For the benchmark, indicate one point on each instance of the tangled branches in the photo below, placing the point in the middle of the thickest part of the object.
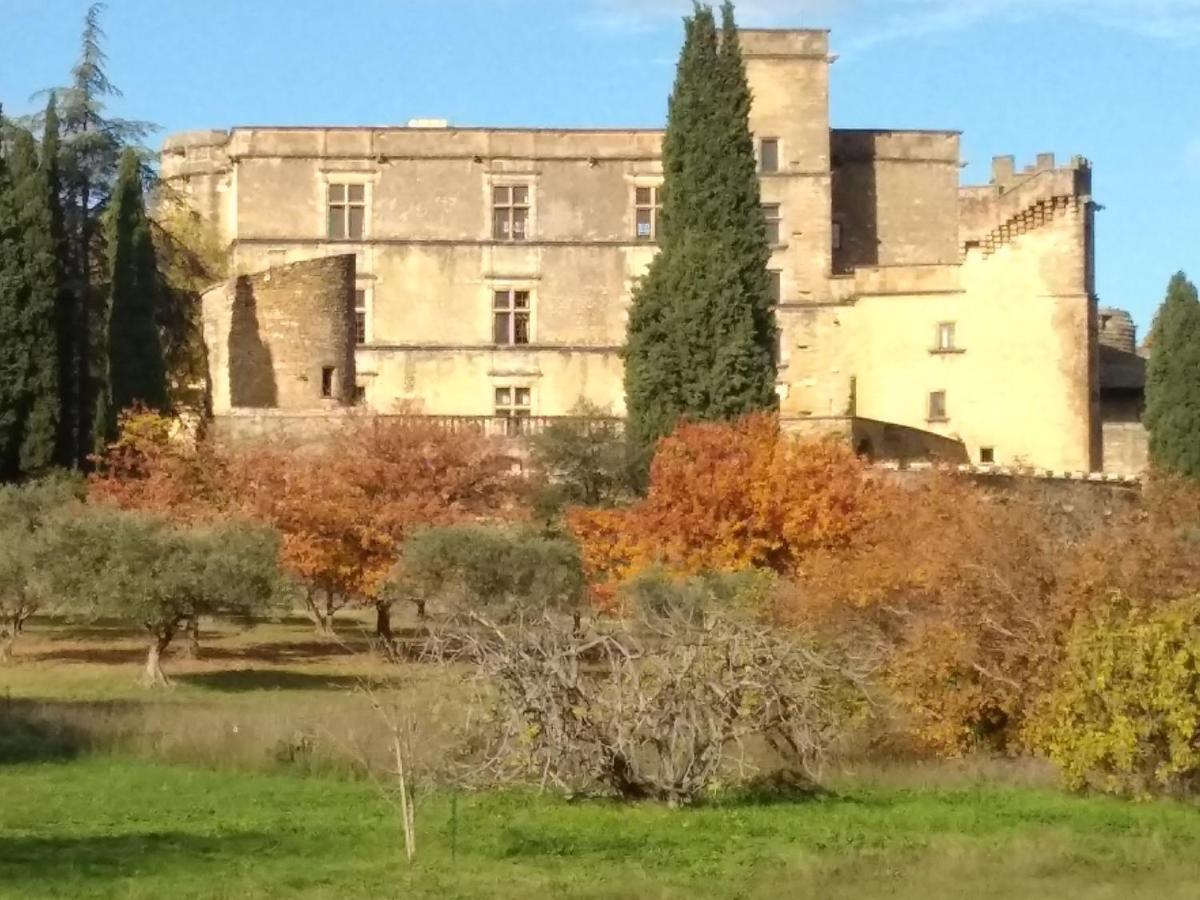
(655, 706)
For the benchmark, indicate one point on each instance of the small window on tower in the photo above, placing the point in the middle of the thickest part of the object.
(945, 337)
(775, 286)
(937, 406)
(768, 155)
(774, 219)
(327, 375)
(360, 316)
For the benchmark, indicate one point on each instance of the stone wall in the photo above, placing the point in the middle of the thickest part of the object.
(1126, 448)
(895, 196)
(284, 338)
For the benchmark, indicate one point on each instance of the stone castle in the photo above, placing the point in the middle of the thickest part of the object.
(486, 274)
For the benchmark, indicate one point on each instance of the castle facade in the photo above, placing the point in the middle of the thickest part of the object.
(487, 272)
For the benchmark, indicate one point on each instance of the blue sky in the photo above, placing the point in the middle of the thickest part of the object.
(1115, 80)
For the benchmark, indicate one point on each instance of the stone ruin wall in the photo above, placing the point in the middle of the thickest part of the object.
(271, 336)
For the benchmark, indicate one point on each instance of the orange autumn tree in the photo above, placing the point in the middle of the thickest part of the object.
(343, 509)
(961, 586)
(149, 468)
(727, 497)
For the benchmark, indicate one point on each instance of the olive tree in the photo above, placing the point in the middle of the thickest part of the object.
(160, 576)
(473, 567)
(28, 516)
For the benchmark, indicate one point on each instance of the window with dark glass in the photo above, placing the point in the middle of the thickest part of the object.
(768, 155)
(987, 456)
(513, 404)
(360, 316)
(327, 382)
(510, 318)
(937, 406)
(510, 212)
(347, 211)
(647, 207)
(773, 218)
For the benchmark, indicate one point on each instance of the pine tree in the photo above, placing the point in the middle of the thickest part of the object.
(38, 409)
(1173, 382)
(701, 330)
(136, 372)
(89, 152)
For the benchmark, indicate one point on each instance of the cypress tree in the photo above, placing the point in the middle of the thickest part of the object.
(38, 409)
(136, 371)
(701, 330)
(12, 345)
(65, 301)
(1173, 382)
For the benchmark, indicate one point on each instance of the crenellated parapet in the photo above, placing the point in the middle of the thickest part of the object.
(1016, 202)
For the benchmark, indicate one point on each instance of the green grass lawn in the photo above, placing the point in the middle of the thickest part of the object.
(239, 782)
(99, 827)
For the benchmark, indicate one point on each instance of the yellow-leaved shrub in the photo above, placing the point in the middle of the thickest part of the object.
(1124, 715)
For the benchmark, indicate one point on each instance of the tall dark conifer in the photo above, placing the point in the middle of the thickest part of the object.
(136, 372)
(38, 410)
(1173, 381)
(65, 301)
(12, 298)
(90, 149)
(701, 330)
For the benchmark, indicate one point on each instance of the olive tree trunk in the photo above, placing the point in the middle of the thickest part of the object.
(383, 620)
(160, 640)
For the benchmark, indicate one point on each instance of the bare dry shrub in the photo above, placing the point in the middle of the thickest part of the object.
(656, 705)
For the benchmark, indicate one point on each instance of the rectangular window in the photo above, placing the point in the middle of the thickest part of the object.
(837, 235)
(360, 394)
(347, 212)
(768, 155)
(513, 404)
(775, 289)
(987, 455)
(945, 336)
(647, 203)
(327, 382)
(773, 218)
(937, 406)
(510, 318)
(360, 316)
(510, 212)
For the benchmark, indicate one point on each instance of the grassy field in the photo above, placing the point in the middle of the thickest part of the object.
(105, 828)
(244, 781)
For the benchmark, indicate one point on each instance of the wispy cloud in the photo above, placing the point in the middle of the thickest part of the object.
(883, 20)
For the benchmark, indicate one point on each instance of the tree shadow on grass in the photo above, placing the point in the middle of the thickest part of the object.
(32, 861)
(27, 737)
(243, 680)
(112, 656)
